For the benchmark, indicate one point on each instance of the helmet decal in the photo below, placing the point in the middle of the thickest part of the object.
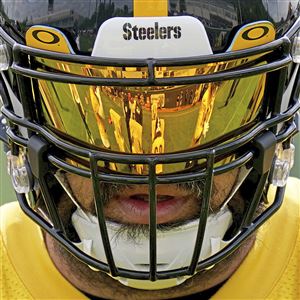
(157, 37)
(47, 38)
(252, 35)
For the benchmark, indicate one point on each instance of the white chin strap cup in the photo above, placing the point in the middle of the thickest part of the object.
(174, 247)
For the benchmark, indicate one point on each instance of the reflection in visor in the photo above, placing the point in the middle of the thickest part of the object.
(153, 119)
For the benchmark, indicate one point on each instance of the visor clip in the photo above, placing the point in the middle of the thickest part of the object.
(265, 145)
(37, 150)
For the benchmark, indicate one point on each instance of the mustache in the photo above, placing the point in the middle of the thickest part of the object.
(110, 190)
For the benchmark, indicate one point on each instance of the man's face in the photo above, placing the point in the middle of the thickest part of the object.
(128, 205)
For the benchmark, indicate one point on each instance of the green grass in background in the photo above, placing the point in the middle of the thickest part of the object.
(296, 169)
(7, 193)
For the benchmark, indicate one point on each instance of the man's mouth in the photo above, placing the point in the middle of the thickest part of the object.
(129, 204)
(138, 210)
(132, 206)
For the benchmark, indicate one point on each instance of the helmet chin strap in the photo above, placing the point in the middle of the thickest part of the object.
(174, 247)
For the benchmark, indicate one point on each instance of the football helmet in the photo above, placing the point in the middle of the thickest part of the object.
(149, 93)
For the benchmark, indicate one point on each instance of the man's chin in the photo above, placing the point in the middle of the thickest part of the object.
(102, 285)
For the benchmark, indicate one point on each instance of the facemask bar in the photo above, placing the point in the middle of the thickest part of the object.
(42, 158)
(20, 66)
(155, 179)
(152, 180)
(283, 45)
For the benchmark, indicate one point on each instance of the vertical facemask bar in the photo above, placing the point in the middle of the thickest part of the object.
(37, 100)
(264, 146)
(152, 221)
(50, 205)
(24, 86)
(203, 212)
(280, 82)
(99, 200)
(37, 151)
(248, 218)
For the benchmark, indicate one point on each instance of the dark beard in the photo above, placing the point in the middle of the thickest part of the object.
(135, 232)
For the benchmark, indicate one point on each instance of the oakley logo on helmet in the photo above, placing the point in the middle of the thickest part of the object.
(255, 33)
(45, 37)
(150, 33)
(252, 35)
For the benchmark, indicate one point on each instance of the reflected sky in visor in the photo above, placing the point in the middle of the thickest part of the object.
(150, 119)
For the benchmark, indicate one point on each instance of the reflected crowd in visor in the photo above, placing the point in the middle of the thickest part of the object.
(151, 120)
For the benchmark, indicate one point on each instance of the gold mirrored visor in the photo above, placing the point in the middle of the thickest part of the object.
(151, 119)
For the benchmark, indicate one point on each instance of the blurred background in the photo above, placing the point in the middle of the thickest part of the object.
(7, 193)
